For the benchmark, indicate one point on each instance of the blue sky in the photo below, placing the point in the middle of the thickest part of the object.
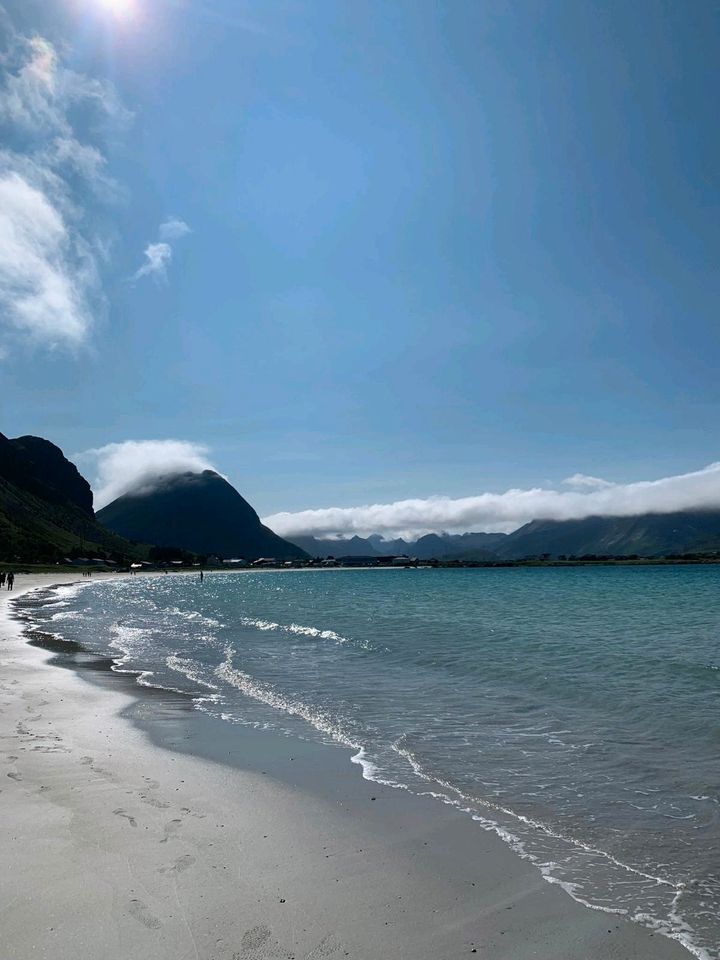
(435, 248)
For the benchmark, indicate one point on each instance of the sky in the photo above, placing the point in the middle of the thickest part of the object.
(366, 253)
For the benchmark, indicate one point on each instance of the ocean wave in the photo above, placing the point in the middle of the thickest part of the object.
(298, 629)
(191, 670)
(673, 926)
(265, 693)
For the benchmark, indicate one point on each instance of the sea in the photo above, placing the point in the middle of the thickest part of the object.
(573, 711)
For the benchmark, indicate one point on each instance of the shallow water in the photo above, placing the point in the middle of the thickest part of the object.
(572, 710)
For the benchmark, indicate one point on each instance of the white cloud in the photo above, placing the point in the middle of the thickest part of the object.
(159, 255)
(38, 90)
(49, 250)
(173, 229)
(157, 258)
(583, 480)
(43, 285)
(495, 512)
(138, 464)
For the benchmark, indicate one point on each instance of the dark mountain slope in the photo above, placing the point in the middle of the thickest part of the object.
(200, 512)
(40, 468)
(46, 508)
(447, 546)
(649, 535)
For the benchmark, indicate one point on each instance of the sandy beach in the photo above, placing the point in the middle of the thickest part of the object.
(134, 828)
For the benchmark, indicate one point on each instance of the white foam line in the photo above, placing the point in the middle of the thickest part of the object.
(295, 628)
(266, 694)
(675, 927)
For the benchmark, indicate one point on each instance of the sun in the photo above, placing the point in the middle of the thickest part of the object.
(120, 8)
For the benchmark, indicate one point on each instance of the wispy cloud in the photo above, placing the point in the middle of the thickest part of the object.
(138, 464)
(495, 512)
(49, 248)
(582, 480)
(159, 255)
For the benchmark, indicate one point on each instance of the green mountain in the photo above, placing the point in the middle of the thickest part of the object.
(46, 507)
(200, 512)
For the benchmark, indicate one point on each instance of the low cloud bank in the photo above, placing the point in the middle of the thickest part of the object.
(505, 512)
(139, 465)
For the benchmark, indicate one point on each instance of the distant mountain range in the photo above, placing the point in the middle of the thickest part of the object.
(199, 512)
(46, 507)
(46, 514)
(465, 546)
(649, 535)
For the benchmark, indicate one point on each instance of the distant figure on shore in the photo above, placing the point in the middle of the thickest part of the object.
(202, 576)
(10, 580)
(2, 579)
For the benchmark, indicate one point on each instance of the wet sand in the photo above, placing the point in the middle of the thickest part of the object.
(134, 827)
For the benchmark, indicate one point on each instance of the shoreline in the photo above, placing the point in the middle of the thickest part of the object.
(184, 836)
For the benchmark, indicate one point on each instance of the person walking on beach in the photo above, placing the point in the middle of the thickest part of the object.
(202, 576)
(10, 580)
(2, 579)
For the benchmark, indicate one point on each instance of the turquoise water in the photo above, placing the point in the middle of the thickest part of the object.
(572, 710)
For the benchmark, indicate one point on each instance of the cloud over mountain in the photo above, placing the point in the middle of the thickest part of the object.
(138, 464)
(505, 512)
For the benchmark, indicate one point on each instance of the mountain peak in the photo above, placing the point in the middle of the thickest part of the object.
(197, 511)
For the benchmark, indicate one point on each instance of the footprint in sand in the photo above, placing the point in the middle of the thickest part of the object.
(90, 762)
(160, 804)
(170, 828)
(181, 864)
(15, 776)
(126, 816)
(327, 947)
(139, 911)
(256, 945)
